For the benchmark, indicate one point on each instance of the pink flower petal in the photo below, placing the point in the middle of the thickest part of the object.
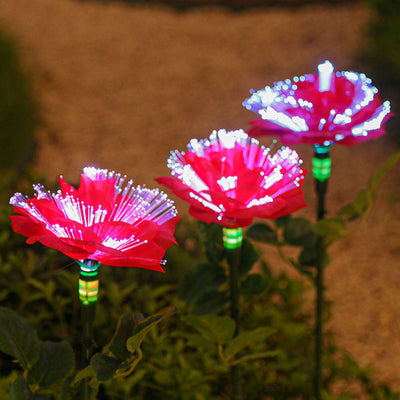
(228, 179)
(103, 221)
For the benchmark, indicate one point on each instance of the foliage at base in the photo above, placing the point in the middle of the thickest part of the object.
(142, 354)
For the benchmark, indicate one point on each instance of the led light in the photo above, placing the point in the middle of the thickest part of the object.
(321, 168)
(206, 203)
(88, 291)
(373, 123)
(88, 281)
(325, 71)
(259, 202)
(227, 182)
(295, 123)
(232, 238)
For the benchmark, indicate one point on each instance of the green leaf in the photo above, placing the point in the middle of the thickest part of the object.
(67, 390)
(382, 170)
(253, 285)
(365, 198)
(211, 240)
(55, 362)
(283, 221)
(92, 389)
(210, 303)
(308, 258)
(360, 205)
(262, 233)
(308, 272)
(17, 339)
(137, 377)
(349, 212)
(299, 232)
(248, 257)
(20, 391)
(214, 328)
(104, 366)
(72, 388)
(142, 329)
(330, 228)
(245, 339)
(83, 374)
(196, 340)
(125, 329)
(255, 356)
(200, 280)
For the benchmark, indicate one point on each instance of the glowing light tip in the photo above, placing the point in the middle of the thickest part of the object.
(325, 71)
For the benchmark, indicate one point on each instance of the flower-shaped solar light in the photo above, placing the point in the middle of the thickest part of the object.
(100, 221)
(320, 109)
(229, 179)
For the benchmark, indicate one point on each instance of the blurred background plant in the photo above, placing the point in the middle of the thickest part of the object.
(380, 53)
(18, 112)
(383, 50)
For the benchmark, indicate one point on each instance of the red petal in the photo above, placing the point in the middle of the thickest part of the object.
(95, 193)
(27, 226)
(66, 188)
(67, 246)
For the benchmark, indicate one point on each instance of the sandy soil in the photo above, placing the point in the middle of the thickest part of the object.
(119, 87)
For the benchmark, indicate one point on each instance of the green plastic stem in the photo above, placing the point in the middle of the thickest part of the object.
(232, 239)
(88, 292)
(321, 172)
(319, 308)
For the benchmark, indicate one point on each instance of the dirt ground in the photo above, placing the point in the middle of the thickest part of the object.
(120, 86)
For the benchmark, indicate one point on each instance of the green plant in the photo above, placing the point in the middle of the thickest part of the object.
(186, 356)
